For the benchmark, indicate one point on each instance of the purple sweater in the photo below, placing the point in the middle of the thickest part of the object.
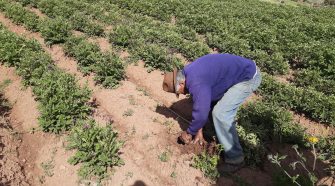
(209, 77)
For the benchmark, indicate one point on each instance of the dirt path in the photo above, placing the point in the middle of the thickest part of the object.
(11, 170)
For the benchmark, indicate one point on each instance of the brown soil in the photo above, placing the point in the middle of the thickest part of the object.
(314, 128)
(11, 170)
(37, 12)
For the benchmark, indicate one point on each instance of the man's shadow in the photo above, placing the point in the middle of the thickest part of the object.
(181, 111)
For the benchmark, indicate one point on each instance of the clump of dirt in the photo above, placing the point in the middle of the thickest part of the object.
(211, 148)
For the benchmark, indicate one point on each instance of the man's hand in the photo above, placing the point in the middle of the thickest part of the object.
(199, 138)
(185, 137)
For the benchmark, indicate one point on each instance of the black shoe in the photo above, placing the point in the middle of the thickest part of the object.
(230, 168)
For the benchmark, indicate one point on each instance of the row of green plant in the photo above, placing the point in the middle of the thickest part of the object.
(53, 30)
(14, 11)
(79, 21)
(143, 29)
(311, 103)
(313, 80)
(61, 100)
(268, 33)
(140, 31)
(107, 67)
(62, 105)
(113, 15)
(261, 123)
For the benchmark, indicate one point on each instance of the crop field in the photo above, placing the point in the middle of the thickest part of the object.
(81, 98)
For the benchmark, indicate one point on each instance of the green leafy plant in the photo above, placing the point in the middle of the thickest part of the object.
(123, 36)
(86, 54)
(55, 31)
(97, 149)
(20, 15)
(312, 103)
(33, 65)
(61, 101)
(109, 71)
(207, 163)
(165, 156)
(108, 67)
(326, 152)
(82, 22)
(260, 123)
(270, 122)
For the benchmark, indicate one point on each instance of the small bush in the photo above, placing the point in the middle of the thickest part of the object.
(82, 22)
(109, 71)
(62, 101)
(208, 163)
(21, 16)
(55, 31)
(97, 149)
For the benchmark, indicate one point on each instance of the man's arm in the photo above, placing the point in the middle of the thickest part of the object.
(201, 95)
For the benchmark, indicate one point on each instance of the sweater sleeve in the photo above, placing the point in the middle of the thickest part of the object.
(201, 95)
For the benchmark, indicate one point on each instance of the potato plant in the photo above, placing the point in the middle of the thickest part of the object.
(109, 71)
(313, 80)
(81, 22)
(19, 15)
(61, 101)
(312, 103)
(86, 54)
(97, 149)
(270, 122)
(261, 123)
(156, 57)
(55, 31)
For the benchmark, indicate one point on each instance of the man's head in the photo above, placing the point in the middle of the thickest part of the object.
(174, 82)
